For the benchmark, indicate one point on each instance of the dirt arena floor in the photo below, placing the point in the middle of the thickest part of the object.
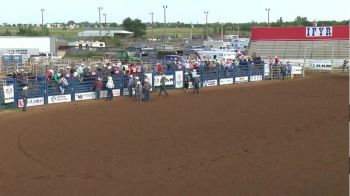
(273, 138)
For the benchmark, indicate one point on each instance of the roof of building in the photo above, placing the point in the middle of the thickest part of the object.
(103, 32)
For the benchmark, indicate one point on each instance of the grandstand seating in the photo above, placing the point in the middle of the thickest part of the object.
(315, 49)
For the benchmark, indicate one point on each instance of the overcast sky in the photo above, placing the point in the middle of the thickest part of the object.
(187, 11)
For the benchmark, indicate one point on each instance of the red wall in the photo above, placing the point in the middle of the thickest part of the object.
(340, 32)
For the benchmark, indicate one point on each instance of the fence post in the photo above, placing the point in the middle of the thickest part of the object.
(46, 92)
(15, 88)
(249, 71)
(218, 68)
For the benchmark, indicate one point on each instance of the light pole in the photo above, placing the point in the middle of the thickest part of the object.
(268, 16)
(105, 15)
(151, 13)
(191, 32)
(99, 19)
(165, 7)
(206, 23)
(42, 21)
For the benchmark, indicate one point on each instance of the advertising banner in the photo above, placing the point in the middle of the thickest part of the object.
(179, 79)
(85, 96)
(297, 70)
(9, 94)
(321, 65)
(115, 92)
(208, 83)
(59, 99)
(225, 81)
(32, 102)
(241, 79)
(170, 80)
(255, 78)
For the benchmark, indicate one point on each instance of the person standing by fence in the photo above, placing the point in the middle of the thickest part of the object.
(196, 82)
(110, 86)
(131, 85)
(146, 90)
(186, 81)
(25, 98)
(63, 83)
(98, 87)
(162, 85)
(138, 91)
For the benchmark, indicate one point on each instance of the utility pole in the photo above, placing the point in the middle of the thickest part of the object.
(152, 36)
(99, 20)
(165, 7)
(105, 15)
(206, 24)
(42, 22)
(268, 16)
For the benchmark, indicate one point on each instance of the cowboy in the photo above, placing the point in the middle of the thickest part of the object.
(162, 85)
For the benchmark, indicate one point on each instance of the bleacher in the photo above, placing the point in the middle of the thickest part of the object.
(316, 49)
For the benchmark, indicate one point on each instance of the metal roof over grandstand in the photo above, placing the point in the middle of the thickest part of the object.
(110, 33)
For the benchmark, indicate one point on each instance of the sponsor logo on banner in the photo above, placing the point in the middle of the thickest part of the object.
(115, 92)
(179, 79)
(318, 31)
(296, 70)
(126, 91)
(226, 81)
(208, 83)
(241, 79)
(170, 80)
(321, 65)
(255, 78)
(59, 99)
(9, 94)
(31, 102)
(85, 96)
(266, 70)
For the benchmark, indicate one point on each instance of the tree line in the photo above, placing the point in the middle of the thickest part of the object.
(139, 27)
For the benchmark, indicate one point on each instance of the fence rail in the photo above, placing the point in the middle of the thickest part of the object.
(43, 91)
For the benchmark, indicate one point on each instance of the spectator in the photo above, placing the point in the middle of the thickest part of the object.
(345, 64)
(98, 87)
(110, 86)
(162, 85)
(62, 83)
(196, 82)
(186, 81)
(131, 85)
(138, 91)
(146, 90)
(25, 98)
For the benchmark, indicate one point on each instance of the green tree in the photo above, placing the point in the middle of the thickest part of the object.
(6, 33)
(136, 26)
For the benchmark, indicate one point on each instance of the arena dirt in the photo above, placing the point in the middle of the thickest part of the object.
(267, 138)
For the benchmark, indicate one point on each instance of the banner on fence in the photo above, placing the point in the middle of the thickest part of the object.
(208, 83)
(266, 70)
(241, 79)
(170, 80)
(115, 92)
(321, 65)
(31, 102)
(9, 94)
(59, 99)
(297, 70)
(255, 78)
(179, 79)
(126, 91)
(225, 81)
(85, 96)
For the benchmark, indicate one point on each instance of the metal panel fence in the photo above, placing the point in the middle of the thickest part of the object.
(43, 91)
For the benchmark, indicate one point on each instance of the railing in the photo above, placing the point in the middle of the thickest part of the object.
(42, 91)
